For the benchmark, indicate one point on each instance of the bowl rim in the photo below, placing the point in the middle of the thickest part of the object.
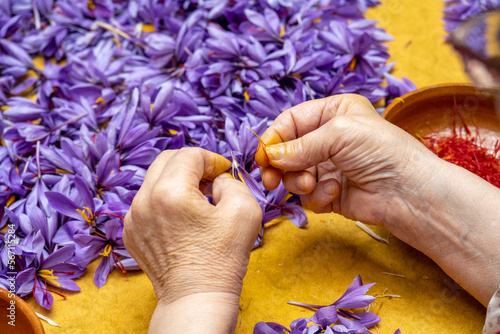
(26, 309)
(397, 102)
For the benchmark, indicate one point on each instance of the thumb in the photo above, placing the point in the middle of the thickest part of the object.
(304, 152)
(235, 197)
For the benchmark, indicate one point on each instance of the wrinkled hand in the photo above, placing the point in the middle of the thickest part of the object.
(182, 242)
(341, 156)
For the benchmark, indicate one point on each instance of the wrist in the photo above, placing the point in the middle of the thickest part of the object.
(199, 270)
(454, 218)
(204, 312)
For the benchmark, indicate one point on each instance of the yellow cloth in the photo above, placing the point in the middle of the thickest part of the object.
(316, 264)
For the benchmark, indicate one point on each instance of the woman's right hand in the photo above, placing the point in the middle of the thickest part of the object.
(342, 157)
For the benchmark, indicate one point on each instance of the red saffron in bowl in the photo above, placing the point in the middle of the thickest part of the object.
(467, 153)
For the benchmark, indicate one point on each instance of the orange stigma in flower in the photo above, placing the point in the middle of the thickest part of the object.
(107, 250)
(87, 214)
(49, 276)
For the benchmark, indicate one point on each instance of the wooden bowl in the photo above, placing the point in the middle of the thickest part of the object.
(434, 109)
(26, 321)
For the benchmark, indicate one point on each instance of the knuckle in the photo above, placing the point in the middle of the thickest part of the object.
(161, 196)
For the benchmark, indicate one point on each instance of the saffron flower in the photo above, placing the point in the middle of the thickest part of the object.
(334, 318)
(107, 245)
(51, 270)
(133, 78)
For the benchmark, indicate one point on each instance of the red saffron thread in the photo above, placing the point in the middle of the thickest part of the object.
(467, 151)
(282, 208)
(110, 214)
(119, 264)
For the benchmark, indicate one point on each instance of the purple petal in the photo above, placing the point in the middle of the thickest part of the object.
(103, 270)
(63, 205)
(325, 316)
(269, 328)
(61, 255)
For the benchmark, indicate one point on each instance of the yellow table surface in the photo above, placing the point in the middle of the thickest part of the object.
(316, 264)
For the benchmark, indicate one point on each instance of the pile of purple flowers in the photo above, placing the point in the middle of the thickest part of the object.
(91, 91)
(336, 318)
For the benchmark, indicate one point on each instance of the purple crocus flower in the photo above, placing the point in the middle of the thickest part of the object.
(54, 270)
(109, 246)
(143, 76)
(327, 317)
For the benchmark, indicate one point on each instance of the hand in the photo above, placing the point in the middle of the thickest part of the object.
(195, 253)
(341, 156)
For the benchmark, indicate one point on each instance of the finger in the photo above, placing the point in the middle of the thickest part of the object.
(187, 167)
(307, 151)
(234, 196)
(307, 117)
(302, 182)
(155, 169)
(271, 177)
(321, 199)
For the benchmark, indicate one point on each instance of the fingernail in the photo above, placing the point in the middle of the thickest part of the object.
(226, 176)
(275, 152)
(299, 182)
(329, 189)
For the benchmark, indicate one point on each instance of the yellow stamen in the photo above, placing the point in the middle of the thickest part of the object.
(2, 142)
(88, 218)
(36, 121)
(282, 32)
(317, 20)
(49, 276)
(353, 63)
(286, 198)
(11, 200)
(111, 172)
(172, 132)
(39, 62)
(107, 250)
(297, 75)
(151, 106)
(3, 108)
(100, 100)
(247, 96)
(148, 28)
(62, 171)
(399, 99)
(90, 5)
